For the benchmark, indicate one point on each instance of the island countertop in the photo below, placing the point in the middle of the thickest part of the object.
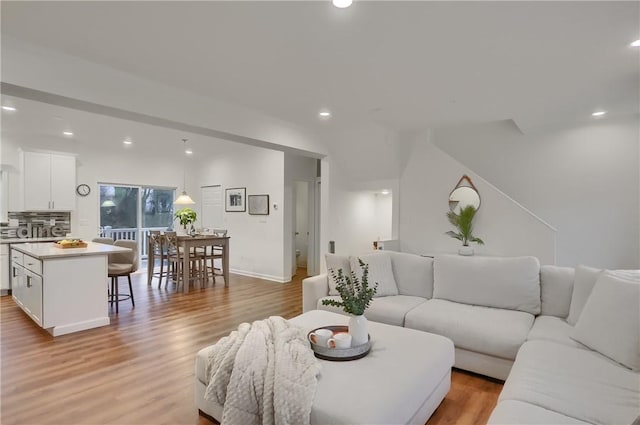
(46, 250)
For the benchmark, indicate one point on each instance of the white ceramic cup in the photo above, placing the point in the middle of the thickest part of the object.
(320, 337)
(340, 340)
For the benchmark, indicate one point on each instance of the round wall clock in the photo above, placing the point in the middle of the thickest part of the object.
(83, 189)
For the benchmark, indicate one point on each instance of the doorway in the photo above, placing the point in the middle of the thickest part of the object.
(304, 216)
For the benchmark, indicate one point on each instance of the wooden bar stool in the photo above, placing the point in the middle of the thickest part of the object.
(122, 264)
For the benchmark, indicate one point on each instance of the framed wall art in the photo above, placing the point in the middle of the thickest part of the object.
(259, 204)
(235, 199)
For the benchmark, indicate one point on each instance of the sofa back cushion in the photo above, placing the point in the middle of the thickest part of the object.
(610, 320)
(556, 286)
(583, 284)
(413, 273)
(380, 272)
(511, 283)
(335, 263)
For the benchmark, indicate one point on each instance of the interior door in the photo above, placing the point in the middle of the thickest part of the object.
(212, 204)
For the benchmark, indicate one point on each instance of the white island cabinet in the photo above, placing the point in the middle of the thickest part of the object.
(62, 290)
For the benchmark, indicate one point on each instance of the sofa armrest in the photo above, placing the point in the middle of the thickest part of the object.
(313, 288)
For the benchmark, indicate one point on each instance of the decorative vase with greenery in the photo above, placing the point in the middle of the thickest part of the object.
(187, 216)
(464, 224)
(356, 295)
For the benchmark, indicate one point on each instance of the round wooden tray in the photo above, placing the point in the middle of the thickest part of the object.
(339, 354)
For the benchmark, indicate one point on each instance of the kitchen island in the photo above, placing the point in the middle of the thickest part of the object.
(62, 290)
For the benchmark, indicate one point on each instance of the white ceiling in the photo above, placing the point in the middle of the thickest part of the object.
(41, 123)
(404, 65)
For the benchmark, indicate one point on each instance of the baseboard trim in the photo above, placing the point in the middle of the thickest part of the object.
(259, 276)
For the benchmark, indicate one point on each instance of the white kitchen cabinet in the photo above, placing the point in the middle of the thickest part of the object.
(5, 282)
(17, 275)
(49, 181)
(32, 295)
(26, 282)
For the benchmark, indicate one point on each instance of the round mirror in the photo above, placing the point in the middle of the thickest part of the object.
(463, 196)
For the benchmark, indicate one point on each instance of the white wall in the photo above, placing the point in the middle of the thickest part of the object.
(506, 228)
(257, 242)
(355, 214)
(585, 181)
(384, 215)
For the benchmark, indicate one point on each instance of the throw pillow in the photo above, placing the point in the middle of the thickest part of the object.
(335, 263)
(583, 283)
(610, 320)
(380, 272)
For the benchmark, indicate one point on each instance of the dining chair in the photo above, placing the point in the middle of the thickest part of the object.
(106, 241)
(122, 264)
(176, 256)
(216, 253)
(157, 247)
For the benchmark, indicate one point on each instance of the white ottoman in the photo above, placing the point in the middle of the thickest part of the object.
(401, 381)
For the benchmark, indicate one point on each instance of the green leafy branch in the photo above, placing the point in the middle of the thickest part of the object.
(464, 223)
(356, 295)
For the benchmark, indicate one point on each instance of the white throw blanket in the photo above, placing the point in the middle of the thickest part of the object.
(263, 373)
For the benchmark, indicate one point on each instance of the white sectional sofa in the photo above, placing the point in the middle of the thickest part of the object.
(512, 319)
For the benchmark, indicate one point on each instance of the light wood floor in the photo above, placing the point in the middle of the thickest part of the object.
(140, 369)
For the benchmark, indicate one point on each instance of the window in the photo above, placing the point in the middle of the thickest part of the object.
(129, 212)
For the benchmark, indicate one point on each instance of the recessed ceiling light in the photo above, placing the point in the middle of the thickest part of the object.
(127, 142)
(9, 108)
(324, 114)
(342, 3)
(188, 151)
(67, 133)
(598, 113)
(385, 192)
(635, 43)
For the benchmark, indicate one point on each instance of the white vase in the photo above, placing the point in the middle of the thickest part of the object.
(465, 250)
(359, 330)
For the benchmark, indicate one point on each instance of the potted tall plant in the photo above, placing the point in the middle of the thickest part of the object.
(464, 224)
(356, 295)
(187, 217)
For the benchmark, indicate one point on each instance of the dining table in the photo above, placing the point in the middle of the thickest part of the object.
(187, 245)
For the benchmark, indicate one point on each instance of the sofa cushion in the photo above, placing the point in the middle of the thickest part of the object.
(335, 263)
(551, 328)
(509, 412)
(380, 272)
(508, 283)
(556, 287)
(583, 283)
(389, 310)
(610, 320)
(413, 273)
(579, 383)
(485, 330)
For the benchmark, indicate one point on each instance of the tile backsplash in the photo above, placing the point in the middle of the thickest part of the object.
(36, 224)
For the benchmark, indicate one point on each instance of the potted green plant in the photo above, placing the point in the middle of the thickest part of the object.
(356, 295)
(464, 224)
(186, 216)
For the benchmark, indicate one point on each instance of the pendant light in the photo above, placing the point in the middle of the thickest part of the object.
(184, 199)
